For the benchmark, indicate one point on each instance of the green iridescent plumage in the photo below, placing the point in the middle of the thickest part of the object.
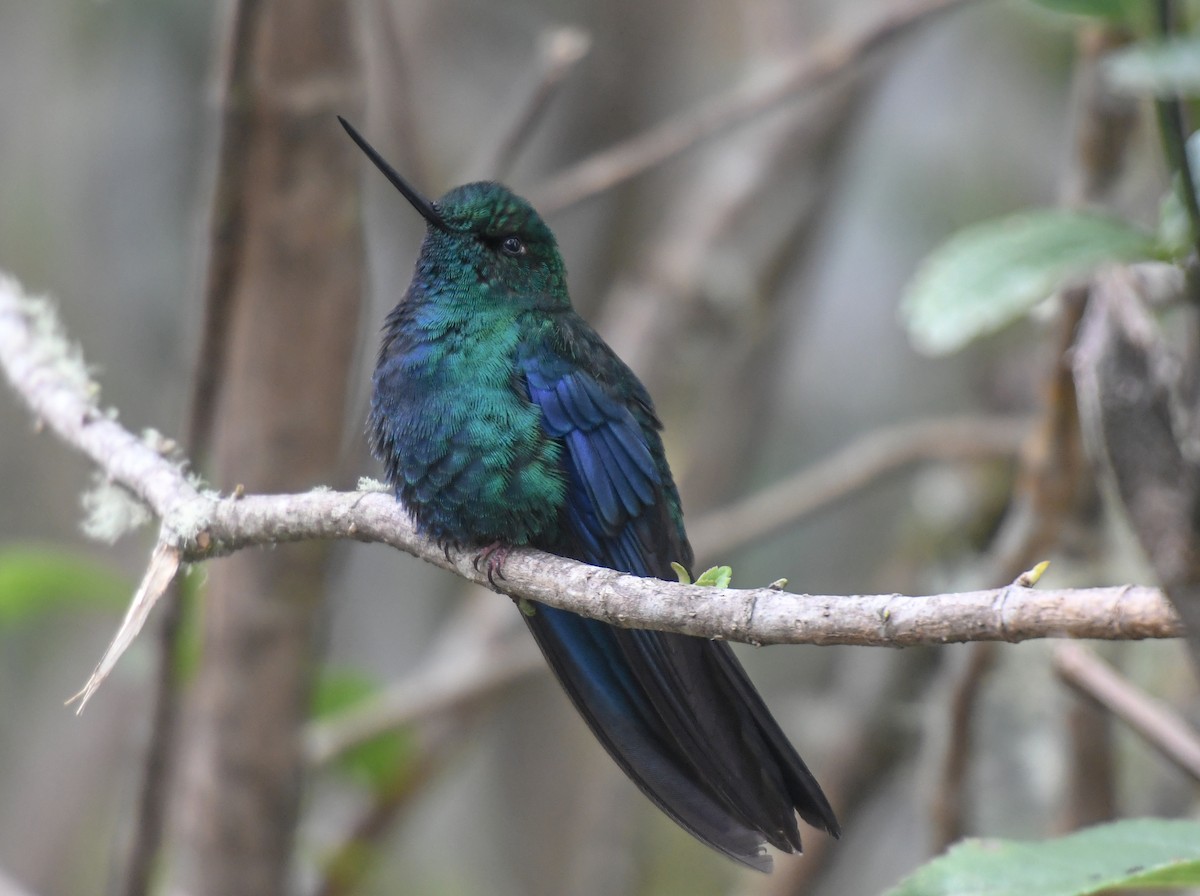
(502, 418)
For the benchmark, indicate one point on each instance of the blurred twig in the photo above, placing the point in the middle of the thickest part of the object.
(809, 70)
(466, 664)
(740, 322)
(947, 803)
(869, 458)
(399, 113)
(348, 865)
(1105, 121)
(1091, 793)
(464, 667)
(225, 246)
(406, 703)
(1054, 484)
(1157, 724)
(699, 273)
(9, 887)
(559, 51)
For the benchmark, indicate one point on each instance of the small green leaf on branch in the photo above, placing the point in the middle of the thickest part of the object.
(1030, 577)
(716, 577)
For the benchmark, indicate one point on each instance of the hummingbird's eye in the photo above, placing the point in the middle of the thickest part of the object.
(513, 246)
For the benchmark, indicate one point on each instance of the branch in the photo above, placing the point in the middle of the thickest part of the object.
(197, 525)
(811, 69)
(873, 456)
(948, 804)
(758, 616)
(9, 887)
(344, 868)
(430, 693)
(559, 51)
(1158, 724)
(441, 701)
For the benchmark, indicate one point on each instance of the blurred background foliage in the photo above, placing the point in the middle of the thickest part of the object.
(754, 282)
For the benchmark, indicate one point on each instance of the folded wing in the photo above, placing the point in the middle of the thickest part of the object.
(678, 714)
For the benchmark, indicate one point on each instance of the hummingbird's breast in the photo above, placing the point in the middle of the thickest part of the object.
(461, 443)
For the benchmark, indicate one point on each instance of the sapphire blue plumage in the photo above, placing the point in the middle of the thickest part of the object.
(502, 418)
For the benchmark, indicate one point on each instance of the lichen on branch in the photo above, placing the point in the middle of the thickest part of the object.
(50, 376)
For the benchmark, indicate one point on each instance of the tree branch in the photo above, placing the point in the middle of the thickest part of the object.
(1158, 724)
(871, 457)
(559, 50)
(760, 94)
(49, 375)
(9, 887)
(433, 691)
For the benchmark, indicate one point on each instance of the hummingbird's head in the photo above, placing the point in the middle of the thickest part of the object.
(484, 235)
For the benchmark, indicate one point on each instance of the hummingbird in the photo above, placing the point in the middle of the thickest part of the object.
(503, 420)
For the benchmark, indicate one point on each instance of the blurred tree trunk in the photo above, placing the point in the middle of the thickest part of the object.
(283, 292)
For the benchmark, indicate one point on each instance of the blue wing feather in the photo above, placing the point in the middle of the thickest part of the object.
(677, 713)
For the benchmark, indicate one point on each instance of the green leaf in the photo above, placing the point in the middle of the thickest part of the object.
(988, 275)
(716, 577)
(377, 762)
(1165, 69)
(37, 580)
(1113, 10)
(1132, 853)
(681, 573)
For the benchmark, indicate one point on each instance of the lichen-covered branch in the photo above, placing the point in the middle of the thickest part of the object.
(50, 377)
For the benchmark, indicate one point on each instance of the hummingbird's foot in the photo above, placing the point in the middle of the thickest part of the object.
(494, 555)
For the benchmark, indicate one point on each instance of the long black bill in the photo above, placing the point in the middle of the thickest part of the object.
(427, 209)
